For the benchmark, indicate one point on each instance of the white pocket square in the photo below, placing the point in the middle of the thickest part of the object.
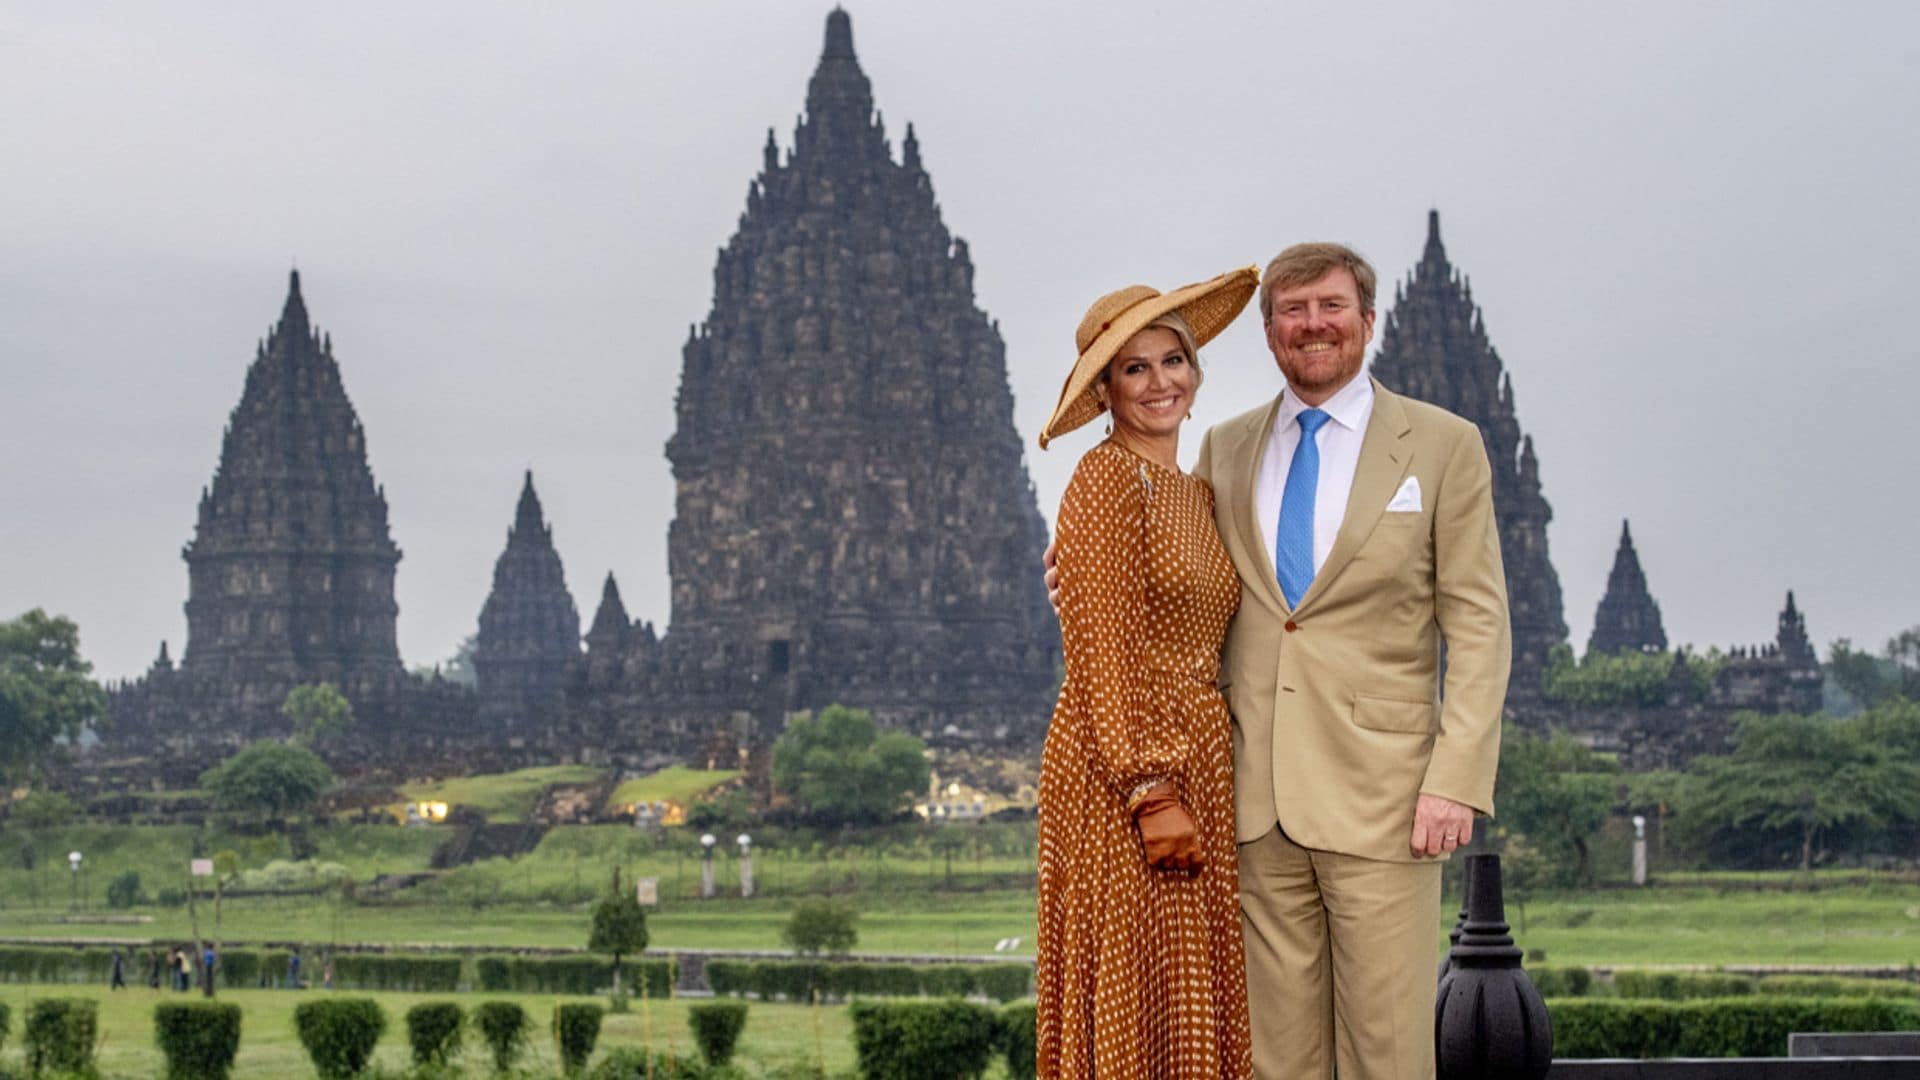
(1407, 499)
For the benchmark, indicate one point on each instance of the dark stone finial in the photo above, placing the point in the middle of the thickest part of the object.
(1489, 1021)
(1460, 923)
(839, 35)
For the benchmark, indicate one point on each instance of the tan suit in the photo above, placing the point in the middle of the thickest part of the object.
(1339, 726)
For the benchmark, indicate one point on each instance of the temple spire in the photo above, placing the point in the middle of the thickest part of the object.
(1627, 620)
(293, 315)
(839, 118)
(528, 514)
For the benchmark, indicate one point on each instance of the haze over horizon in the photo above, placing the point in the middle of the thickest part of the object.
(1687, 226)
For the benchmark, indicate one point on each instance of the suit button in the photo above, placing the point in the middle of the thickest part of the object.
(1292, 626)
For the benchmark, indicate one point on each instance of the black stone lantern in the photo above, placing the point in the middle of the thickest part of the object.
(1489, 1023)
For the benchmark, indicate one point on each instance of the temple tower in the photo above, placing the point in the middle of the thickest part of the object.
(853, 520)
(291, 567)
(529, 629)
(1627, 619)
(1435, 348)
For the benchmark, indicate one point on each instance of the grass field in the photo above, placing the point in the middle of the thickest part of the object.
(503, 797)
(898, 877)
(676, 784)
(775, 1034)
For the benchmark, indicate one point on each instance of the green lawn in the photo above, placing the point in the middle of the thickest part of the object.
(775, 1033)
(503, 797)
(675, 784)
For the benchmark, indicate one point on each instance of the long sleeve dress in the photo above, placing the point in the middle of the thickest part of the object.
(1141, 971)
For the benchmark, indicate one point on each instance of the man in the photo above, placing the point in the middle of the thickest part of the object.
(1361, 524)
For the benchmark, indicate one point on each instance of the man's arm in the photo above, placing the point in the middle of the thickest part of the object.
(1470, 605)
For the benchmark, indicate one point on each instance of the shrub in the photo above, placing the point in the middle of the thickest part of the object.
(1834, 986)
(923, 1040)
(818, 926)
(198, 1038)
(503, 1027)
(569, 975)
(60, 1035)
(716, 1027)
(1017, 1036)
(1561, 981)
(633, 1063)
(433, 1030)
(798, 980)
(6, 1023)
(1712, 1027)
(124, 891)
(576, 1027)
(339, 1034)
(397, 971)
(1679, 985)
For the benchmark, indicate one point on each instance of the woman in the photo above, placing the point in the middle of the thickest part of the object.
(1141, 970)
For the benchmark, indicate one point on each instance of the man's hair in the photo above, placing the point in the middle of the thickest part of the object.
(1304, 264)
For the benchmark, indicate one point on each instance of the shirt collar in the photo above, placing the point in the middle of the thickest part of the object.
(1348, 407)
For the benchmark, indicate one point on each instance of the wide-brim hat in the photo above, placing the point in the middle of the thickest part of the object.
(1208, 306)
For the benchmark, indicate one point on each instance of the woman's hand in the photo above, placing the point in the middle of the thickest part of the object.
(1167, 830)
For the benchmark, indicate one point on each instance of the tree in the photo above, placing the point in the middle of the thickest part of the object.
(46, 694)
(1800, 779)
(818, 926)
(619, 927)
(842, 770)
(1557, 793)
(1873, 680)
(272, 779)
(43, 810)
(318, 712)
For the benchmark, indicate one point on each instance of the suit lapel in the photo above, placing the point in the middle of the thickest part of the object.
(1385, 457)
(1246, 517)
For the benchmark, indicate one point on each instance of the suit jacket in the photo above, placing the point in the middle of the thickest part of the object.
(1338, 718)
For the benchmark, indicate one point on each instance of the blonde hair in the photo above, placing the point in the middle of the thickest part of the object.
(1304, 264)
(1177, 323)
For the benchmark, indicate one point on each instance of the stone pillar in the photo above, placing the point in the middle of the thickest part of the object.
(707, 840)
(1639, 850)
(746, 866)
(1489, 1022)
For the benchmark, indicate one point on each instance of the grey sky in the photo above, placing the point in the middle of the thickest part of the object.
(1692, 227)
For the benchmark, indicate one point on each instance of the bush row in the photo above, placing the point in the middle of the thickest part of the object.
(1685, 985)
(418, 973)
(60, 1035)
(940, 1040)
(798, 980)
(571, 975)
(1712, 1027)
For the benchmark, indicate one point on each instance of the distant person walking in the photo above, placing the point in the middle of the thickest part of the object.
(153, 969)
(117, 980)
(293, 969)
(182, 970)
(207, 962)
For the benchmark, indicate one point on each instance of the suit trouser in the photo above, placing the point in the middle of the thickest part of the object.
(1341, 953)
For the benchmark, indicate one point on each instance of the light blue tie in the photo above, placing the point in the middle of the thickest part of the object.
(1293, 546)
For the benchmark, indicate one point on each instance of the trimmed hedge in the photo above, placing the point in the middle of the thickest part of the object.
(796, 980)
(6, 1023)
(570, 975)
(716, 1028)
(633, 1063)
(576, 1027)
(1679, 985)
(1712, 1027)
(239, 968)
(198, 1038)
(1835, 986)
(433, 1031)
(339, 1034)
(60, 1035)
(1561, 981)
(503, 1027)
(923, 1040)
(396, 971)
(1018, 1037)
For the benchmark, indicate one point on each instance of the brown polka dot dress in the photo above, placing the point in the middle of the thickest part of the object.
(1141, 971)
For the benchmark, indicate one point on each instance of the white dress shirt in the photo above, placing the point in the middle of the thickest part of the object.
(1348, 411)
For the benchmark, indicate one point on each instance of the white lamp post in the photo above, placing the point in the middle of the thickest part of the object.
(707, 840)
(746, 864)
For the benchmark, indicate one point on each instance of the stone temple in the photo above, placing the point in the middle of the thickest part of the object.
(1435, 348)
(853, 520)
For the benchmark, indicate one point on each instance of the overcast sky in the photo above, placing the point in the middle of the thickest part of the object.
(1692, 228)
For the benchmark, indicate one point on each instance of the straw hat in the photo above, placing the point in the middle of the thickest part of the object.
(1208, 307)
